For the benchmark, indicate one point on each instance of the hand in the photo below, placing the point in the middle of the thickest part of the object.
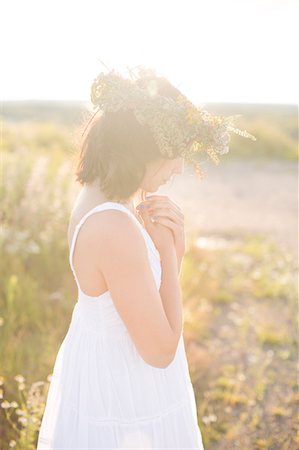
(170, 217)
(161, 235)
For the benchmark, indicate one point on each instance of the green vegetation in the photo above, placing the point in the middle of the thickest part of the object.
(274, 126)
(241, 342)
(239, 299)
(44, 125)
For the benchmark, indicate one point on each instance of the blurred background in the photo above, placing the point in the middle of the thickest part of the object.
(240, 272)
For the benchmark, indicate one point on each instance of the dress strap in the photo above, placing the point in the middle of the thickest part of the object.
(101, 207)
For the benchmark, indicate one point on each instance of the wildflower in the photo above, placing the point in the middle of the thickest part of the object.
(19, 378)
(178, 126)
(5, 404)
(210, 418)
(12, 443)
(23, 420)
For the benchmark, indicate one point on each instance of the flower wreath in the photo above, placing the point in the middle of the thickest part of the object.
(178, 126)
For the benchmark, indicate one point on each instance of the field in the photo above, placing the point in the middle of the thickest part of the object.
(239, 276)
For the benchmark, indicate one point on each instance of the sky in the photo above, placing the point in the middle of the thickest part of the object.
(212, 50)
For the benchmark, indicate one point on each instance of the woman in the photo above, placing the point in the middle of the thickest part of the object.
(121, 377)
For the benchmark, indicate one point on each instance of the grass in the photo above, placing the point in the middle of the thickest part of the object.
(239, 300)
(241, 351)
(245, 376)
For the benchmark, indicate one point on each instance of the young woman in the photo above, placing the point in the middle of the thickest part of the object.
(121, 377)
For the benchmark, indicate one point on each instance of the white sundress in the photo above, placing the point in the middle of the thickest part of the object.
(102, 394)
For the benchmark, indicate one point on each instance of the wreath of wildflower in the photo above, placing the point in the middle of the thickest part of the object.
(178, 126)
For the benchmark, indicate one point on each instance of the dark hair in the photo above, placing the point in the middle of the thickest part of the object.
(116, 148)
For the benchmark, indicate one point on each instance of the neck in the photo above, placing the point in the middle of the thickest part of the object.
(133, 201)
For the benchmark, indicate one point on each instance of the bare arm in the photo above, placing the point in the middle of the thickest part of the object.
(171, 293)
(153, 318)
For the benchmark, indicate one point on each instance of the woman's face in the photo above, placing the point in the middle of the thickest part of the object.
(158, 172)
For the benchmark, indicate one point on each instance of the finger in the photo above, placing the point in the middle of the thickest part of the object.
(150, 204)
(162, 198)
(148, 197)
(145, 217)
(143, 213)
(168, 209)
(168, 213)
(167, 222)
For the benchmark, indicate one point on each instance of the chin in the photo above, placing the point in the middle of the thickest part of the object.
(154, 188)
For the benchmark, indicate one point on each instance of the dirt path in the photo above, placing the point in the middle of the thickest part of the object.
(241, 196)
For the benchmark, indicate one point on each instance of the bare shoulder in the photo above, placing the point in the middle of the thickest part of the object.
(107, 222)
(111, 229)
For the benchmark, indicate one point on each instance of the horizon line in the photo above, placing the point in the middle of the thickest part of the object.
(72, 100)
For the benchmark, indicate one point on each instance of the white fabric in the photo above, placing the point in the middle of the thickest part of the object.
(102, 394)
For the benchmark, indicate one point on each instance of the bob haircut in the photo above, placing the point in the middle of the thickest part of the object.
(116, 148)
